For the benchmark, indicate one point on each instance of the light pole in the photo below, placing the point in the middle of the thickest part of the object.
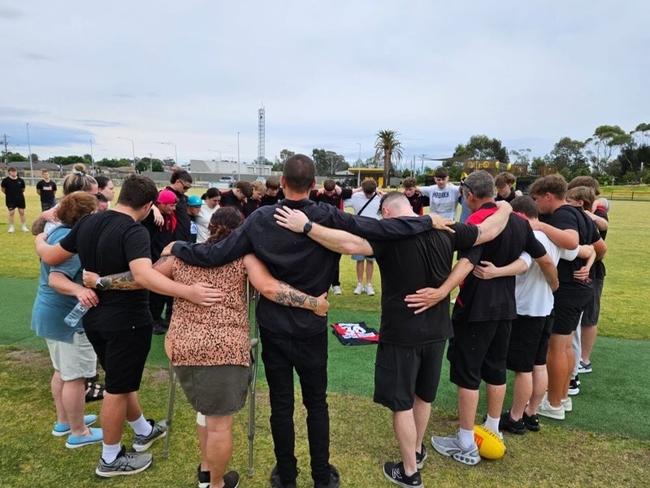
(238, 163)
(132, 148)
(92, 157)
(359, 144)
(175, 151)
(29, 148)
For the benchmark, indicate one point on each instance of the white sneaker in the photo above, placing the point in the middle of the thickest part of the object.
(370, 290)
(567, 403)
(25, 229)
(11, 229)
(359, 289)
(547, 410)
(337, 290)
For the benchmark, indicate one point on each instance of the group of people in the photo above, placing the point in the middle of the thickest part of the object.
(527, 279)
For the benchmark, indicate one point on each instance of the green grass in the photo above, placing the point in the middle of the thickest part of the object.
(604, 443)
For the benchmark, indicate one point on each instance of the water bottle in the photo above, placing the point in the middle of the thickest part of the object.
(73, 318)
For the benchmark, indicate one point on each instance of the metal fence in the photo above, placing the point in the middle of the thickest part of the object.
(634, 196)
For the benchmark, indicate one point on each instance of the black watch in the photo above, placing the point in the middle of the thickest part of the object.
(307, 228)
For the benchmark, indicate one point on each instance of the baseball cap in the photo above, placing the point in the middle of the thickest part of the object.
(166, 197)
(194, 201)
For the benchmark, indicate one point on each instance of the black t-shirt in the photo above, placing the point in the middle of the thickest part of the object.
(269, 200)
(335, 200)
(106, 243)
(250, 206)
(47, 190)
(487, 300)
(570, 217)
(183, 224)
(598, 269)
(421, 261)
(14, 189)
(159, 236)
(511, 196)
(418, 202)
(295, 258)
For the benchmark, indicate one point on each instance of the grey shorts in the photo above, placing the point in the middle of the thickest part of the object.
(359, 257)
(215, 390)
(73, 361)
(592, 310)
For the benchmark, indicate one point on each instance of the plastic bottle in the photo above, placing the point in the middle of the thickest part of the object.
(73, 318)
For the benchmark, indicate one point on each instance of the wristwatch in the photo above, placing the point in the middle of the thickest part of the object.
(307, 228)
(99, 285)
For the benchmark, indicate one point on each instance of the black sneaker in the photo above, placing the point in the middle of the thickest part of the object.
(231, 479)
(204, 477)
(531, 422)
(394, 472)
(335, 479)
(513, 426)
(574, 386)
(276, 481)
(421, 456)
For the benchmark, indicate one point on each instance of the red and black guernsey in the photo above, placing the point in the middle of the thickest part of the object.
(490, 300)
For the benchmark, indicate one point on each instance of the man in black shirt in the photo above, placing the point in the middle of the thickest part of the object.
(411, 344)
(119, 327)
(13, 186)
(505, 183)
(237, 196)
(181, 181)
(415, 198)
(291, 338)
(273, 191)
(567, 227)
(46, 189)
(482, 318)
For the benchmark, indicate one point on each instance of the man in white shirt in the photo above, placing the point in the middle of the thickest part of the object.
(366, 204)
(443, 196)
(532, 328)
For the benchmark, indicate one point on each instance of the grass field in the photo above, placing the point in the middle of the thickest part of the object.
(605, 442)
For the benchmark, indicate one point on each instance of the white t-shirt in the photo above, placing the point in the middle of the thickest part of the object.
(202, 221)
(533, 295)
(442, 202)
(359, 199)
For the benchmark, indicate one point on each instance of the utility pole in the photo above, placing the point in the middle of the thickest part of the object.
(4, 136)
(92, 158)
(29, 148)
(238, 163)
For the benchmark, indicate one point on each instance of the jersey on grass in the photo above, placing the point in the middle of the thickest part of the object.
(106, 243)
(408, 264)
(488, 300)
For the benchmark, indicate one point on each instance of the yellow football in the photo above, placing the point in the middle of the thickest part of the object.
(490, 446)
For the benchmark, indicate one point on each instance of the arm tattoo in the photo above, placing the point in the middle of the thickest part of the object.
(289, 296)
(120, 281)
(478, 235)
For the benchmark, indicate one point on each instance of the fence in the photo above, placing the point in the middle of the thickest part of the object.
(634, 196)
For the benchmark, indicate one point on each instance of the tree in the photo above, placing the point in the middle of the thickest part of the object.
(278, 165)
(605, 140)
(538, 165)
(521, 158)
(148, 164)
(389, 148)
(568, 158)
(13, 157)
(328, 162)
(482, 147)
(643, 129)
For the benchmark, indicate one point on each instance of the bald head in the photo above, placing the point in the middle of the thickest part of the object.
(395, 204)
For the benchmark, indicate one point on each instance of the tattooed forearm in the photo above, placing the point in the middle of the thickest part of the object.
(289, 296)
(119, 281)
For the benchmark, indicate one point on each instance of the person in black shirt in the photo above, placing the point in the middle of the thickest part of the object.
(13, 186)
(333, 195)
(273, 191)
(46, 189)
(415, 198)
(237, 196)
(181, 181)
(505, 183)
(119, 327)
(291, 337)
(255, 200)
(411, 343)
(482, 318)
(567, 227)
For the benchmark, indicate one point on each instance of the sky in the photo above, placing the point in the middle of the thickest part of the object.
(193, 73)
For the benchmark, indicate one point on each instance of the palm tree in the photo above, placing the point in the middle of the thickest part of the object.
(388, 147)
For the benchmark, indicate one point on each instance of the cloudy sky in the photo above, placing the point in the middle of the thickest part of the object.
(330, 74)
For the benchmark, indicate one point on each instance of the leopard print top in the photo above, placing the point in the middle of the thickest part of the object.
(210, 336)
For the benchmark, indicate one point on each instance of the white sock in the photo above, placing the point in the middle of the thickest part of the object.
(492, 424)
(110, 452)
(466, 437)
(140, 426)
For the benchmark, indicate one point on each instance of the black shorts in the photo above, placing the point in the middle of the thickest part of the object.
(122, 354)
(478, 351)
(528, 342)
(15, 203)
(401, 372)
(592, 311)
(568, 307)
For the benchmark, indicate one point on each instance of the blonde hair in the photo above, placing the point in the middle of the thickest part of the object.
(78, 180)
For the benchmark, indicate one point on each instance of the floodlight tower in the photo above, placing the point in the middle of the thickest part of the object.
(261, 137)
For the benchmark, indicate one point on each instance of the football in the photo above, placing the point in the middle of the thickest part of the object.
(490, 446)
